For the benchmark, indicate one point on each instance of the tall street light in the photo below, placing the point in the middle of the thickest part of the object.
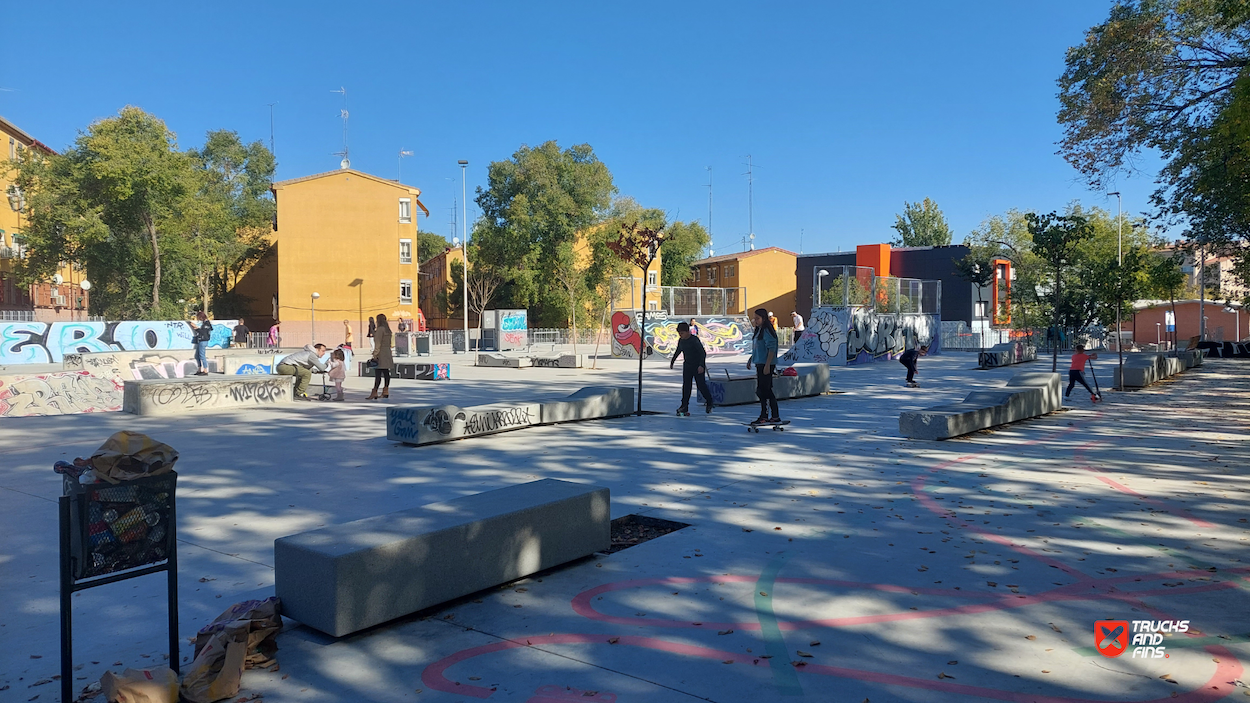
(1119, 282)
(464, 251)
(819, 285)
(312, 316)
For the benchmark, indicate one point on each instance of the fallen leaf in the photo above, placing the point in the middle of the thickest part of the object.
(725, 632)
(475, 678)
(614, 640)
(728, 661)
(1055, 627)
(814, 643)
(952, 662)
(1030, 637)
(747, 529)
(944, 675)
(798, 663)
(766, 656)
(1045, 671)
(801, 653)
(764, 593)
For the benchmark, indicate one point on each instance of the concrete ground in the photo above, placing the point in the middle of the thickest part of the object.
(834, 561)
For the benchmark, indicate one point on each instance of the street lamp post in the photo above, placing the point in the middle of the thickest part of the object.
(1119, 282)
(1236, 322)
(312, 316)
(1158, 334)
(464, 251)
(820, 284)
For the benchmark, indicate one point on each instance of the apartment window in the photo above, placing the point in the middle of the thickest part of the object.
(405, 292)
(982, 309)
(698, 273)
(651, 278)
(711, 274)
(652, 305)
(405, 209)
(405, 251)
(729, 271)
(12, 149)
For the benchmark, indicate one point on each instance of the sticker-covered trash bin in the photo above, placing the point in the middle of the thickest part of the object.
(117, 521)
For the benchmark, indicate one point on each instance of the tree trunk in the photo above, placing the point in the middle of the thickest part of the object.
(603, 323)
(573, 314)
(150, 224)
(1054, 362)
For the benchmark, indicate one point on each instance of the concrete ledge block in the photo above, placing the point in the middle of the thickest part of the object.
(255, 365)
(1026, 395)
(443, 423)
(344, 578)
(175, 396)
(505, 362)
(590, 404)
(1006, 354)
(557, 361)
(812, 379)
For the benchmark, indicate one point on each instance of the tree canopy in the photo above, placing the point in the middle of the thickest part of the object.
(922, 224)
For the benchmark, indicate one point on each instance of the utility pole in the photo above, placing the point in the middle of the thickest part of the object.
(709, 205)
(1119, 283)
(346, 162)
(272, 150)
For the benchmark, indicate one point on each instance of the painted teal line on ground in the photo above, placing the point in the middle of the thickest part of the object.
(1179, 643)
(784, 675)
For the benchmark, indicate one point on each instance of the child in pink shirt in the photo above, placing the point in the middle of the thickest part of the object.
(337, 371)
(1076, 372)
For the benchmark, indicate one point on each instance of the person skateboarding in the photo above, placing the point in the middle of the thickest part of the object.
(693, 368)
(1076, 372)
(908, 359)
(763, 354)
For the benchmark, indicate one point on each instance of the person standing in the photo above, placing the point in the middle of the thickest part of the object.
(798, 325)
(381, 335)
(240, 334)
(908, 359)
(373, 327)
(275, 337)
(301, 365)
(1076, 372)
(202, 336)
(694, 327)
(337, 371)
(763, 354)
(693, 368)
(347, 334)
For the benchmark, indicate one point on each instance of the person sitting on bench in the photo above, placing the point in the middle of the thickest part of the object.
(301, 365)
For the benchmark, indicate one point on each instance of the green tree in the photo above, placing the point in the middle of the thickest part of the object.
(430, 245)
(683, 245)
(1007, 236)
(535, 203)
(1169, 76)
(1055, 241)
(977, 268)
(1167, 280)
(109, 202)
(922, 224)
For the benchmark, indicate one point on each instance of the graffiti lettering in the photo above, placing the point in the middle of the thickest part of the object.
(495, 420)
(264, 392)
(41, 343)
(857, 336)
(720, 335)
(59, 393)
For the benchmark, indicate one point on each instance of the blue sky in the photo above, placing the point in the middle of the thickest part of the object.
(848, 109)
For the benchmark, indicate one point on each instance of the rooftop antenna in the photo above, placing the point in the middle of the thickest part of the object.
(346, 162)
(455, 208)
(399, 174)
(800, 240)
(271, 148)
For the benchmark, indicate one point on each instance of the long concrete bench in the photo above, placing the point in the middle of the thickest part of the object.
(420, 372)
(1026, 395)
(175, 396)
(812, 379)
(443, 423)
(344, 578)
(557, 361)
(1006, 354)
(504, 362)
(1145, 369)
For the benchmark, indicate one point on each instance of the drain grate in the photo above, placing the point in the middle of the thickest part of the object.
(632, 530)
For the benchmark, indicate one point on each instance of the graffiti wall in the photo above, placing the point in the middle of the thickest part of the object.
(720, 335)
(138, 366)
(626, 340)
(842, 336)
(44, 343)
(513, 329)
(61, 393)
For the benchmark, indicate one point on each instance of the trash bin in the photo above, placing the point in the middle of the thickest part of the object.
(423, 344)
(115, 527)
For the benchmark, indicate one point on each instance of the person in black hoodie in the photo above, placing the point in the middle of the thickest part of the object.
(693, 368)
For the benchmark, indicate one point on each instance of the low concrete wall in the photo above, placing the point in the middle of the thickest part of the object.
(1145, 369)
(505, 362)
(175, 396)
(252, 365)
(415, 371)
(1026, 395)
(1006, 354)
(344, 578)
(443, 423)
(813, 379)
(137, 365)
(557, 361)
(58, 393)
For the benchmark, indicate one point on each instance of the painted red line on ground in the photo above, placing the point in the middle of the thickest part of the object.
(435, 676)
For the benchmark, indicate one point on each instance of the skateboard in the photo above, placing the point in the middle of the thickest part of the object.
(777, 426)
(912, 384)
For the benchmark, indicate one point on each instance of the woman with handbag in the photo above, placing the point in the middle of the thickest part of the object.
(203, 335)
(382, 355)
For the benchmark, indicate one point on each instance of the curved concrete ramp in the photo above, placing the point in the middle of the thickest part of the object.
(443, 423)
(504, 362)
(1026, 395)
(1006, 354)
(813, 379)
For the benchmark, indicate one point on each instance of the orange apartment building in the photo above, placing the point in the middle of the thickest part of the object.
(764, 276)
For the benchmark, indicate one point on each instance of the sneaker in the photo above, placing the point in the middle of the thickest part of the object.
(760, 420)
(774, 420)
(302, 397)
(707, 407)
(201, 373)
(683, 410)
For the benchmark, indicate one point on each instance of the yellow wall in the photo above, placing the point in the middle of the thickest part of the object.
(38, 297)
(767, 275)
(333, 229)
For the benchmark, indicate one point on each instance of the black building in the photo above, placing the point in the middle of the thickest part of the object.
(959, 297)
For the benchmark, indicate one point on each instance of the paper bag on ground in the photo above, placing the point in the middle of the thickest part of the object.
(262, 620)
(218, 668)
(158, 685)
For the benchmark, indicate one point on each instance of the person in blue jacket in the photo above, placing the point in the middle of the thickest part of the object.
(763, 357)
